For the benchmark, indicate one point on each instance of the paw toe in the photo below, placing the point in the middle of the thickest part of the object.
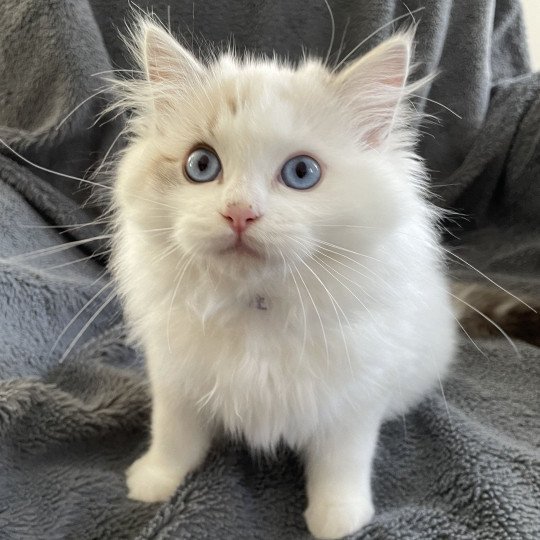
(150, 482)
(332, 520)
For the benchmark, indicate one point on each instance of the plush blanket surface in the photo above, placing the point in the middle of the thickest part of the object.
(465, 464)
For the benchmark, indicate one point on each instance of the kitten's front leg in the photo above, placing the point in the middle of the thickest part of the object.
(179, 445)
(338, 472)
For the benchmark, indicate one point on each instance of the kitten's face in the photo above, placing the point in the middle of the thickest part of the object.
(257, 166)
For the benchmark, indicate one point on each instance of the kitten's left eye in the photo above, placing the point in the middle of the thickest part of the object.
(301, 172)
(202, 165)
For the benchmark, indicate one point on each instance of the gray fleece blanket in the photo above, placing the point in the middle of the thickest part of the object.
(464, 464)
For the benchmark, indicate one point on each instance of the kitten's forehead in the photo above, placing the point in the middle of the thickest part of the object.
(252, 99)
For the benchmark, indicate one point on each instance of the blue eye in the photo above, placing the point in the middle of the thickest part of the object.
(202, 165)
(301, 172)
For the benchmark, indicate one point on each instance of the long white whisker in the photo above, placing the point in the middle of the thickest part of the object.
(179, 281)
(331, 271)
(343, 226)
(488, 278)
(483, 315)
(322, 251)
(83, 259)
(87, 325)
(316, 312)
(333, 23)
(342, 42)
(304, 338)
(470, 338)
(336, 306)
(56, 249)
(472, 267)
(104, 160)
(77, 315)
(39, 167)
(159, 203)
(67, 227)
(348, 250)
(162, 229)
(336, 272)
(348, 55)
(97, 74)
(73, 111)
(444, 399)
(440, 104)
(166, 252)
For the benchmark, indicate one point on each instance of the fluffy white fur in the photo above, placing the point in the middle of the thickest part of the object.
(358, 325)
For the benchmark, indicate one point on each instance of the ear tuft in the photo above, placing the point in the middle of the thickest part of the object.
(165, 60)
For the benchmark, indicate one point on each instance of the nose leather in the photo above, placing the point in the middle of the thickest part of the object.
(240, 217)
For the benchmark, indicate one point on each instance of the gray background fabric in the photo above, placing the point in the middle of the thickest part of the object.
(467, 467)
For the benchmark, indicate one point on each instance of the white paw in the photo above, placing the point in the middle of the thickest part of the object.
(149, 481)
(331, 519)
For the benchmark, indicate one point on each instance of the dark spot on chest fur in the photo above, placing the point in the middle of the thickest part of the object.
(233, 106)
(259, 302)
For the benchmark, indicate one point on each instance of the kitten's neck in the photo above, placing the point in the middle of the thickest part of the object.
(208, 292)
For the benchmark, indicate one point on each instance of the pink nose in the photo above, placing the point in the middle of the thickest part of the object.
(239, 217)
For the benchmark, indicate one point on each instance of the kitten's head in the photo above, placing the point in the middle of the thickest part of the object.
(250, 164)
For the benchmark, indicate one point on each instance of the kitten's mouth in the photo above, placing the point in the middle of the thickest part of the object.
(241, 249)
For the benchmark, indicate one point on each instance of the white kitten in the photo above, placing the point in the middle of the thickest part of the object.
(279, 264)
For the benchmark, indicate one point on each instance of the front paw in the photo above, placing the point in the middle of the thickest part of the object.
(331, 519)
(150, 481)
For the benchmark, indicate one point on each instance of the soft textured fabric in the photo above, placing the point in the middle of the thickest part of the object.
(465, 464)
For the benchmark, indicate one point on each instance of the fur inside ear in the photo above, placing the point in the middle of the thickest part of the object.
(373, 86)
(168, 66)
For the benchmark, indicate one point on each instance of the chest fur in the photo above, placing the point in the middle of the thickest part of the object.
(259, 373)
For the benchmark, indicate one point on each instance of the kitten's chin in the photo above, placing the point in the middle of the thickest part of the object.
(242, 251)
(241, 259)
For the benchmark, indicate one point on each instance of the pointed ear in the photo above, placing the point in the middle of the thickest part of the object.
(373, 86)
(168, 66)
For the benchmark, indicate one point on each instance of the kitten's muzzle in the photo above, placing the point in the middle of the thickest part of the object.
(239, 217)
